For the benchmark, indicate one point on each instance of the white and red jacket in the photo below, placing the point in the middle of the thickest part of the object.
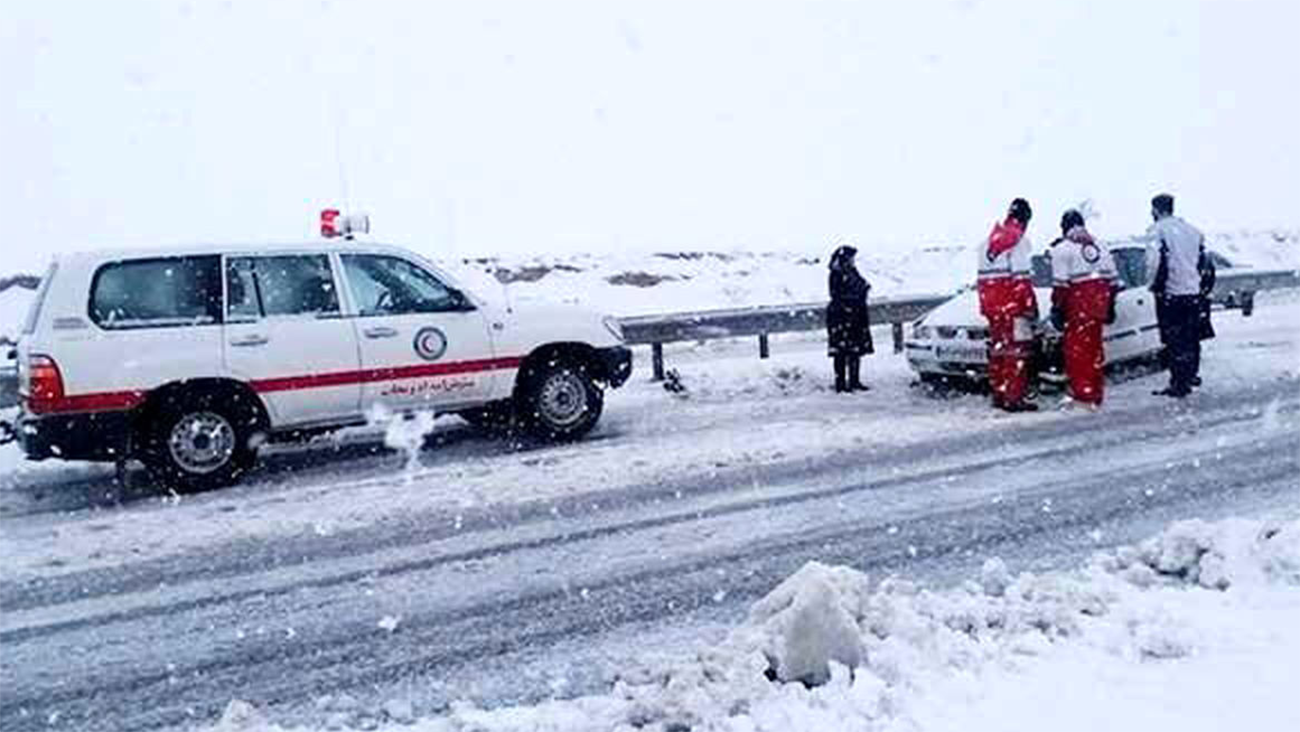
(1083, 276)
(1006, 285)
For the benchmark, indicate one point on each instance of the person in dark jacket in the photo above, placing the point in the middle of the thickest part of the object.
(848, 326)
(1176, 253)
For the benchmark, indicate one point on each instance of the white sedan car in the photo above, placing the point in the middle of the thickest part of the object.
(951, 342)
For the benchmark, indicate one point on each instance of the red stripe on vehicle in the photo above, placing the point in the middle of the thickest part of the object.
(118, 401)
(396, 373)
(111, 401)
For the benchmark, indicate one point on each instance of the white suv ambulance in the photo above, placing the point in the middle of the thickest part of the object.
(188, 359)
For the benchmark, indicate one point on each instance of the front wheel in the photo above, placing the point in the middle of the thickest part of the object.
(560, 401)
(199, 442)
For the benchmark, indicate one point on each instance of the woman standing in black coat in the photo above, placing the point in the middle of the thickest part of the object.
(848, 326)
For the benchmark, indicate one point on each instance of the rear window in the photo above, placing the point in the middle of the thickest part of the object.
(1042, 274)
(34, 310)
(1130, 263)
(1132, 266)
(157, 293)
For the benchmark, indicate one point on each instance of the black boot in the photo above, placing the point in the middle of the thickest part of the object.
(855, 374)
(841, 367)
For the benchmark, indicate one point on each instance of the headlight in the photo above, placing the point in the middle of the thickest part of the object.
(614, 327)
(922, 332)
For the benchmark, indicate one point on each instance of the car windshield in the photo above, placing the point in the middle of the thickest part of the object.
(1130, 262)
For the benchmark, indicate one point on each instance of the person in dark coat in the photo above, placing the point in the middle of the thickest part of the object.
(848, 325)
(1176, 253)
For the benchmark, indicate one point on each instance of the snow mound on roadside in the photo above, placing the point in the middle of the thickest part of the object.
(1213, 556)
(825, 650)
(858, 655)
(811, 620)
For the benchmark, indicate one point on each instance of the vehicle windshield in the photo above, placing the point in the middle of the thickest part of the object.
(1130, 263)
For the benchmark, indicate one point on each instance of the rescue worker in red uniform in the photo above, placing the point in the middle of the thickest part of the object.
(1007, 301)
(1084, 280)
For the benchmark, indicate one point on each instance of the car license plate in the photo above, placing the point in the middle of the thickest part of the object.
(972, 353)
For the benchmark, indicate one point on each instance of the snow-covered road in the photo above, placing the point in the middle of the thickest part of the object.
(340, 579)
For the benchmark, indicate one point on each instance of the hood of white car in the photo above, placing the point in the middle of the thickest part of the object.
(964, 310)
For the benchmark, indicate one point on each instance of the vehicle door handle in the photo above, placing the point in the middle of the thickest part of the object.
(252, 340)
(380, 332)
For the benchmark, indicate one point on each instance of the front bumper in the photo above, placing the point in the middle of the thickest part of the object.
(89, 436)
(615, 365)
(928, 357)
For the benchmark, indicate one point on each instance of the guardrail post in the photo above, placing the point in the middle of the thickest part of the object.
(657, 360)
(898, 337)
(764, 349)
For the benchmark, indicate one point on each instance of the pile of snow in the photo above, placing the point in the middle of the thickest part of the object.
(635, 284)
(1125, 636)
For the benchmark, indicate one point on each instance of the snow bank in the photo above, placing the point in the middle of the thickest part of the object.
(1126, 635)
(640, 283)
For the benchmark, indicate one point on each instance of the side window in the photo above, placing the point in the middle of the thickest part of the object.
(384, 285)
(280, 285)
(154, 293)
(1132, 266)
(242, 303)
(1042, 274)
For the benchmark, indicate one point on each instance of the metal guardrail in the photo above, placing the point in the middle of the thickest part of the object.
(1233, 289)
(1237, 289)
(656, 330)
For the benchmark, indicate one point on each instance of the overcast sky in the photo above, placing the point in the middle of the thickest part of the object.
(553, 126)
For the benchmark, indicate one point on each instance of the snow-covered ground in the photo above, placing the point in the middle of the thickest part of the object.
(1191, 630)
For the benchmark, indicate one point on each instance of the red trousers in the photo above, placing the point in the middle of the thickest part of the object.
(1084, 359)
(1008, 362)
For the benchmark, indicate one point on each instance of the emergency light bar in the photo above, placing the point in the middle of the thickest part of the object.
(333, 223)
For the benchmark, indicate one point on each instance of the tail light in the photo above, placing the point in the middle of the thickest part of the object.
(44, 384)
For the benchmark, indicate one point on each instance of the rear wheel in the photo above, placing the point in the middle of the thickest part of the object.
(559, 400)
(200, 441)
